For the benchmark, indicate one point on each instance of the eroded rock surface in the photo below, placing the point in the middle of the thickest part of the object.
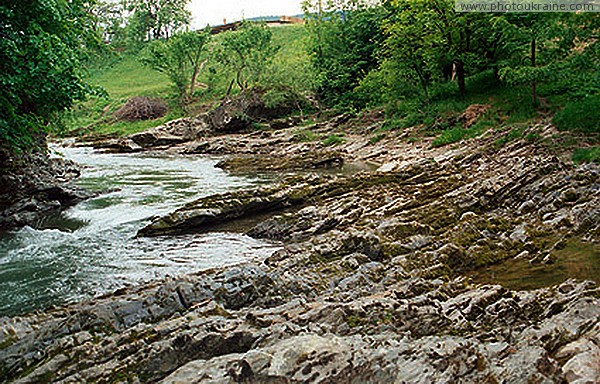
(282, 162)
(368, 286)
(33, 185)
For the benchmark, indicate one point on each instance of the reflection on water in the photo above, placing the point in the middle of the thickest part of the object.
(577, 260)
(91, 249)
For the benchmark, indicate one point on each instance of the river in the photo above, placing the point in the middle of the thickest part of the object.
(91, 248)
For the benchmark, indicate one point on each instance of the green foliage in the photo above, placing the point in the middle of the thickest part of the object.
(156, 19)
(450, 136)
(332, 140)
(587, 155)
(180, 58)
(109, 20)
(343, 43)
(247, 53)
(41, 74)
(515, 133)
(428, 42)
(124, 76)
(581, 116)
(306, 135)
(291, 75)
(425, 61)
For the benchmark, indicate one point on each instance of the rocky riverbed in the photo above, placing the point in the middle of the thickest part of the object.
(370, 284)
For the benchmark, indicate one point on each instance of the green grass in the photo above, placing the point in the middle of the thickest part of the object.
(458, 133)
(376, 138)
(515, 133)
(125, 77)
(511, 105)
(583, 116)
(450, 136)
(121, 80)
(129, 78)
(291, 65)
(587, 155)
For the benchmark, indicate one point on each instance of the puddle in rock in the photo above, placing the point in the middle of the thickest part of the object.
(577, 260)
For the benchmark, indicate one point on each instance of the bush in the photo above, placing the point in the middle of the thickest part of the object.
(581, 116)
(142, 108)
(306, 136)
(332, 140)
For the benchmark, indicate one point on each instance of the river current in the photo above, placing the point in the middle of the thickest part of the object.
(91, 249)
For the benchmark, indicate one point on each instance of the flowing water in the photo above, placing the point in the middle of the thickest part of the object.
(91, 248)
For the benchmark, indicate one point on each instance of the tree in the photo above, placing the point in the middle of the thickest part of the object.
(41, 49)
(431, 42)
(247, 53)
(109, 20)
(155, 19)
(410, 45)
(551, 47)
(345, 38)
(180, 58)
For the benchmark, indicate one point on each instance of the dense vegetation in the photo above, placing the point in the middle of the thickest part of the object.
(40, 64)
(418, 59)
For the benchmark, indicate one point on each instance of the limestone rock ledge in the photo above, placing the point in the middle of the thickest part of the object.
(369, 285)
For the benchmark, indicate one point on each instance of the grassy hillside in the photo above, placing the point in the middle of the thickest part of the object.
(510, 111)
(122, 78)
(125, 77)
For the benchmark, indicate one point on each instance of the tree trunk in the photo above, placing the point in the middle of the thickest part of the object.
(230, 87)
(197, 67)
(423, 82)
(460, 77)
(534, 97)
(238, 79)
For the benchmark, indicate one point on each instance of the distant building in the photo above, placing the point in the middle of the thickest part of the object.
(271, 21)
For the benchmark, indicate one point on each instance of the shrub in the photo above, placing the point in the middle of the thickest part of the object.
(332, 140)
(142, 108)
(450, 136)
(306, 135)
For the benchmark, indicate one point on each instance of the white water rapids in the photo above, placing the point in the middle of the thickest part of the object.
(91, 248)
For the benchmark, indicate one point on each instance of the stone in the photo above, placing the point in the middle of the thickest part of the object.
(370, 283)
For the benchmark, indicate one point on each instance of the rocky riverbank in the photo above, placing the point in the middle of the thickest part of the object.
(34, 185)
(370, 283)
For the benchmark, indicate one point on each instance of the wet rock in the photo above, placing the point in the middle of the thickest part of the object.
(519, 234)
(583, 358)
(36, 186)
(310, 160)
(338, 244)
(123, 145)
(197, 147)
(174, 132)
(285, 123)
(569, 195)
(219, 209)
(366, 287)
(454, 256)
(155, 139)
